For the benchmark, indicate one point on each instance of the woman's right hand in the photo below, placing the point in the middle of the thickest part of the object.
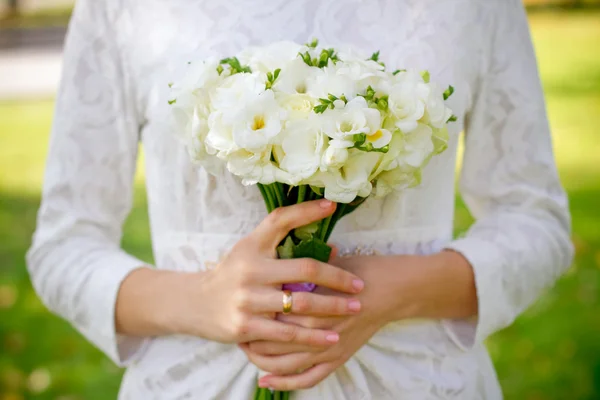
(237, 301)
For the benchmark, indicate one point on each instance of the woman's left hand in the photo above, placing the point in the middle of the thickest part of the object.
(298, 367)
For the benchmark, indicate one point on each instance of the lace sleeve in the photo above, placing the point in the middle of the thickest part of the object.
(75, 261)
(519, 244)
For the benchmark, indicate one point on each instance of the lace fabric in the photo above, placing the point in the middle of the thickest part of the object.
(118, 57)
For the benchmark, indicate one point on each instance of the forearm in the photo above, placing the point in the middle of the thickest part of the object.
(436, 286)
(149, 302)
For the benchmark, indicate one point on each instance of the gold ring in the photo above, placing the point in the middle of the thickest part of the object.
(287, 301)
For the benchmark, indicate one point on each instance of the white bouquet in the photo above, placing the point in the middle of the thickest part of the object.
(304, 122)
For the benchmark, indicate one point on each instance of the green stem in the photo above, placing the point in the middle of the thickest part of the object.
(278, 190)
(324, 227)
(301, 194)
(265, 197)
(337, 215)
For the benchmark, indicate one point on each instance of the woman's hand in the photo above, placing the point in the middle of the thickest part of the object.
(284, 360)
(397, 287)
(237, 301)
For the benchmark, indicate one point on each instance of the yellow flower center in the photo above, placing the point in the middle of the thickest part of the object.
(375, 137)
(259, 123)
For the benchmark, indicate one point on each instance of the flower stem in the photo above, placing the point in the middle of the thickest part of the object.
(301, 194)
(277, 190)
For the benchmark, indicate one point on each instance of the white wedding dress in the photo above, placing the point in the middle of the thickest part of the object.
(117, 58)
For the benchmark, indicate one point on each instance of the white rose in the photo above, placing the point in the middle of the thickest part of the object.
(352, 180)
(355, 118)
(303, 145)
(298, 106)
(407, 100)
(219, 138)
(257, 123)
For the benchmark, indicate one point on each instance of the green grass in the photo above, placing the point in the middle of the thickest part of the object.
(551, 352)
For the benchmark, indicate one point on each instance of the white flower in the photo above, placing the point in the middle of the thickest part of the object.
(335, 156)
(295, 77)
(219, 138)
(298, 106)
(269, 58)
(329, 81)
(394, 180)
(352, 180)
(257, 168)
(379, 138)
(303, 145)
(437, 114)
(258, 122)
(360, 68)
(355, 118)
(236, 90)
(198, 77)
(417, 147)
(407, 100)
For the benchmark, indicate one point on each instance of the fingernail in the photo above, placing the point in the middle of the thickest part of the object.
(354, 305)
(358, 284)
(325, 203)
(332, 337)
(263, 383)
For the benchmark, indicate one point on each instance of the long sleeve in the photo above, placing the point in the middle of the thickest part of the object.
(75, 261)
(520, 242)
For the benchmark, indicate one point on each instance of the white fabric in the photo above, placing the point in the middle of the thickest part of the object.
(117, 56)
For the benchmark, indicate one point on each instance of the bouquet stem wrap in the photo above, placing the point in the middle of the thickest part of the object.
(306, 242)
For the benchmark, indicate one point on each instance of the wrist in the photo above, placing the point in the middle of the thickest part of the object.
(447, 283)
(150, 302)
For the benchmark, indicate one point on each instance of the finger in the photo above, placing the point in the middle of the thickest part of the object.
(334, 252)
(310, 322)
(304, 380)
(271, 330)
(310, 270)
(278, 348)
(305, 303)
(281, 365)
(275, 227)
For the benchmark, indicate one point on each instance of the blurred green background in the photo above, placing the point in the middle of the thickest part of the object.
(551, 352)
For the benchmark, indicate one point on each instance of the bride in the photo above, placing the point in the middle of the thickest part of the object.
(402, 313)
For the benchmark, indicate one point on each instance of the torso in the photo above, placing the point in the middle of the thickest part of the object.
(197, 217)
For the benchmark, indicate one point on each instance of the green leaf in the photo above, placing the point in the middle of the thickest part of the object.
(307, 231)
(396, 72)
(286, 250)
(172, 101)
(220, 69)
(448, 92)
(276, 74)
(313, 248)
(320, 109)
(170, 85)
(426, 76)
(452, 118)
(313, 44)
(375, 56)
(317, 190)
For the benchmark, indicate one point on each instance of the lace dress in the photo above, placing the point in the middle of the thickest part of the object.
(118, 54)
